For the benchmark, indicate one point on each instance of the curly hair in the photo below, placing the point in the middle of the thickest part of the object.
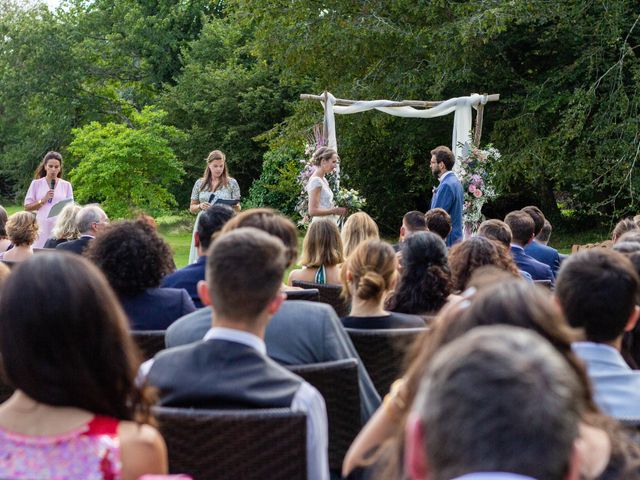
(473, 253)
(3, 222)
(425, 280)
(66, 224)
(132, 256)
(22, 228)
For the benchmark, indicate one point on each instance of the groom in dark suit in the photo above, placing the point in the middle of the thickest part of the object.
(449, 195)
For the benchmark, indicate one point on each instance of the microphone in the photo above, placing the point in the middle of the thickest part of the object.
(52, 185)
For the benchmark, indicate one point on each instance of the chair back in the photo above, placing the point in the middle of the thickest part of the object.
(330, 294)
(382, 352)
(235, 444)
(309, 294)
(149, 342)
(337, 382)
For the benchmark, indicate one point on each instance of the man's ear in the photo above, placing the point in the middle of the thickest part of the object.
(196, 239)
(203, 292)
(349, 276)
(415, 460)
(276, 303)
(633, 319)
(402, 231)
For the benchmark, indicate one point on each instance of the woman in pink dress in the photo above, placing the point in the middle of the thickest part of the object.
(41, 198)
(77, 412)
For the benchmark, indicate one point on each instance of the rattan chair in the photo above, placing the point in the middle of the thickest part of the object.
(149, 342)
(383, 351)
(330, 294)
(337, 382)
(309, 294)
(235, 444)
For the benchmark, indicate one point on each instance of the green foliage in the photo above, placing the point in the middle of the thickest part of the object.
(124, 167)
(277, 186)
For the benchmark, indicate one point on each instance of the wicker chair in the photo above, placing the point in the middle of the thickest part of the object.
(149, 342)
(235, 444)
(330, 294)
(337, 381)
(309, 294)
(383, 351)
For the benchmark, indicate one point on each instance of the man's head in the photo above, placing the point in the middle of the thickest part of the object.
(211, 221)
(597, 290)
(537, 216)
(521, 225)
(412, 222)
(90, 219)
(544, 234)
(497, 230)
(498, 399)
(244, 273)
(438, 221)
(442, 160)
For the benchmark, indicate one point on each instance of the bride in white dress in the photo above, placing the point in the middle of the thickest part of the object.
(320, 194)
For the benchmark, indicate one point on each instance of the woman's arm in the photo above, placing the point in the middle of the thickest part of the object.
(31, 200)
(195, 206)
(314, 205)
(142, 451)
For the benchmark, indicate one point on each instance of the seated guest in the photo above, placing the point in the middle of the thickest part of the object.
(597, 290)
(66, 226)
(134, 258)
(544, 234)
(210, 221)
(412, 222)
(541, 252)
(475, 252)
(22, 229)
(91, 219)
(300, 332)
(498, 402)
(4, 239)
(522, 229)
(358, 228)
(623, 226)
(438, 221)
(322, 253)
(4, 273)
(77, 411)
(229, 368)
(500, 232)
(368, 274)
(425, 279)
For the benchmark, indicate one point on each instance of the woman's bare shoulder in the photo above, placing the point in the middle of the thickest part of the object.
(142, 450)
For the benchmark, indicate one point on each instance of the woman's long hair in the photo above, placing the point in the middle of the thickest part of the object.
(41, 171)
(64, 339)
(207, 183)
(425, 280)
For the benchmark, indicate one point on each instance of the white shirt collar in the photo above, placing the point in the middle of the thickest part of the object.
(238, 336)
(448, 172)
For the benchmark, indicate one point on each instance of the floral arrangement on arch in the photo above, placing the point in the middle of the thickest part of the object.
(476, 181)
(343, 197)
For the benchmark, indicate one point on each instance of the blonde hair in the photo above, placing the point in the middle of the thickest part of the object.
(373, 267)
(323, 153)
(358, 228)
(22, 228)
(66, 226)
(207, 177)
(322, 245)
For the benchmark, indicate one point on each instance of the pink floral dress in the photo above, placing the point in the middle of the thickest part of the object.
(91, 452)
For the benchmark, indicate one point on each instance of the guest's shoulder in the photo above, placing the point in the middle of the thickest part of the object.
(233, 182)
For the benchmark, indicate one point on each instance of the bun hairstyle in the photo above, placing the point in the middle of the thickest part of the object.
(373, 268)
(323, 153)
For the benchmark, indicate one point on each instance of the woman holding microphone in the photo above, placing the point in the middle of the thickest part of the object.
(46, 190)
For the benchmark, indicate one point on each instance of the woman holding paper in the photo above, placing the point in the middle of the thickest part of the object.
(215, 185)
(45, 192)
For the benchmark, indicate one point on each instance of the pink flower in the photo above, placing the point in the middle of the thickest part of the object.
(472, 188)
(477, 193)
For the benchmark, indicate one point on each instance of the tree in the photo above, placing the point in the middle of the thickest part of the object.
(125, 167)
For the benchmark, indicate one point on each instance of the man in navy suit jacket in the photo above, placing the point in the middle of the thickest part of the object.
(449, 195)
(521, 225)
(537, 250)
(211, 221)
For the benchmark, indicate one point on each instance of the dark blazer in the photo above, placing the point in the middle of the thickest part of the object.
(54, 242)
(76, 246)
(537, 270)
(450, 197)
(393, 320)
(156, 308)
(299, 333)
(543, 253)
(187, 278)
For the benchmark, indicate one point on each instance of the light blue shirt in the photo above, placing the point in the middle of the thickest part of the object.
(616, 386)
